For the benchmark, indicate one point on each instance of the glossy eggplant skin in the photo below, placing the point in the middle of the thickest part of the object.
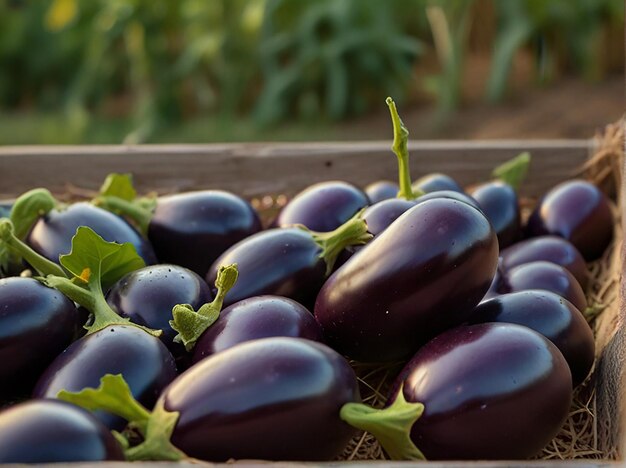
(577, 211)
(281, 262)
(147, 297)
(143, 360)
(436, 182)
(422, 275)
(552, 316)
(36, 324)
(270, 399)
(500, 204)
(256, 318)
(192, 229)
(323, 207)
(52, 234)
(490, 391)
(380, 215)
(551, 249)
(546, 276)
(52, 431)
(381, 190)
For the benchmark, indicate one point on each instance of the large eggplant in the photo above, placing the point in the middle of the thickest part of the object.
(423, 274)
(271, 399)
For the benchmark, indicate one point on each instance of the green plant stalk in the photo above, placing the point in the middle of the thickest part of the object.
(140, 215)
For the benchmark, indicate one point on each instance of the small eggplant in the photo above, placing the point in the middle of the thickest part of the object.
(50, 431)
(147, 297)
(423, 274)
(381, 190)
(323, 207)
(289, 262)
(499, 202)
(577, 211)
(489, 391)
(552, 316)
(436, 182)
(255, 318)
(551, 249)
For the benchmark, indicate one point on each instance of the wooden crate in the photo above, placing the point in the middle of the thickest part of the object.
(268, 169)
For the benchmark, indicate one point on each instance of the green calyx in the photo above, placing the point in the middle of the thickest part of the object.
(352, 232)
(119, 196)
(401, 150)
(513, 171)
(391, 426)
(156, 427)
(190, 324)
(10, 241)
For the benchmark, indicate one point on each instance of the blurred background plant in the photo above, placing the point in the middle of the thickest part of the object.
(108, 71)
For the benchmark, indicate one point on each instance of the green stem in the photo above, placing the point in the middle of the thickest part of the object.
(391, 426)
(401, 150)
(513, 171)
(28, 208)
(352, 232)
(138, 214)
(94, 302)
(190, 324)
(38, 262)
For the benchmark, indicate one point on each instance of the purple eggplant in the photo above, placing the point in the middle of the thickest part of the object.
(551, 249)
(192, 229)
(545, 276)
(380, 215)
(381, 190)
(577, 211)
(254, 318)
(52, 234)
(436, 182)
(142, 359)
(49, 431)
(289, 262)
(323, 207)
(271, 399)
(36, 324)
(552, 316)
(499, 202)
(147, 297)
(422, 275)
(489, 391)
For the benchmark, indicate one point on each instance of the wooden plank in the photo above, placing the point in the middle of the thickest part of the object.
(261, 168)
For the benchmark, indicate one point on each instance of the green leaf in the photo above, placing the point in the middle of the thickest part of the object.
(95, 261)
(28, 208)
(114, 396)
(119, 185)
(391, 426)
(513, 172)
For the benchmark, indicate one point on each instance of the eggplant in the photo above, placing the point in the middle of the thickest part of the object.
(494, 391)
(422, 275)
(289, 262)
(36, 324)
(147, 297)
(549, 314)
(255, 318)
(499, 202)
(577, 211)
(142, 359)
(381, 190)
(546, 276)
(551, 249)
(436, 182)
(270, 399)
(50, 431)
(380, 215)
(323, 207)
(52, 234)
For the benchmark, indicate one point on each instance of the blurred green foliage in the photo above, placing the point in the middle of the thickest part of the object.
(155, 62)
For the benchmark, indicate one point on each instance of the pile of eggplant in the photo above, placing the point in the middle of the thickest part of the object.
(176, 327)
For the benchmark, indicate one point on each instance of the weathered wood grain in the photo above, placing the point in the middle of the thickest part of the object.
(262, 168)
